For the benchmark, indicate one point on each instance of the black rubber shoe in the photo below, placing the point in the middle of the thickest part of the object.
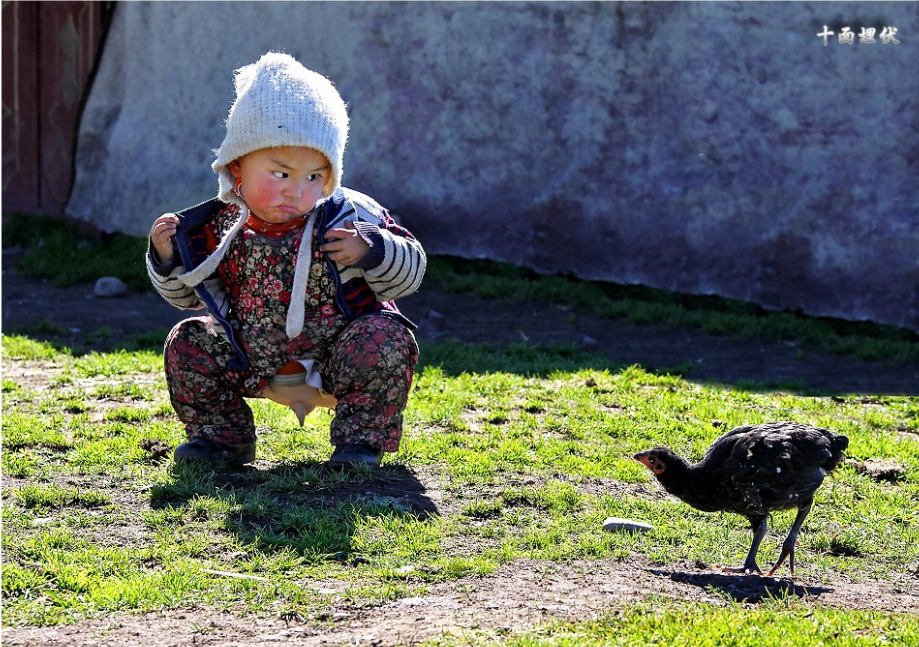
(352, 455)
(201, 450)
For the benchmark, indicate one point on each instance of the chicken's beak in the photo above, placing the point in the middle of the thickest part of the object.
(643, 459)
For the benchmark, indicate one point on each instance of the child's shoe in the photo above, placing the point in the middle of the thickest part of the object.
(353, 455)
(202, 450)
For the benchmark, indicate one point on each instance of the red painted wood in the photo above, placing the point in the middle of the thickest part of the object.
(70, 34)
(20, 106)
(48, 53)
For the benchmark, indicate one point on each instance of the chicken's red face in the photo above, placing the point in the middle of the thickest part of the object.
(652, 460)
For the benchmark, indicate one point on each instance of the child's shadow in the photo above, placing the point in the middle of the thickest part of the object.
(303, 506)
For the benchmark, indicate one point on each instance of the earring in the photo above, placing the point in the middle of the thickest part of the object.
(238, 189)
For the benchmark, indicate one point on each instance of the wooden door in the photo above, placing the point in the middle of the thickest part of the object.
(49, 52)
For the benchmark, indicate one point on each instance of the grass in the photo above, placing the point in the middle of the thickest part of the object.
(510, 454)
(37, 496)
(64, 255)
(662, 623)
(527, 455)
(652, 306)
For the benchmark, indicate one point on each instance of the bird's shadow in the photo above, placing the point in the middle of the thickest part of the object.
(744, 588)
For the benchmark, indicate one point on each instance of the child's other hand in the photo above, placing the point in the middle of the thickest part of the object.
(347, 247)
(164, 228)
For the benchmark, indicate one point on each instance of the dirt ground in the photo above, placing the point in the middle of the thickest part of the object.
(520, 595)
(74, 314)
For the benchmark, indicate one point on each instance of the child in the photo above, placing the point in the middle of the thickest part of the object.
(298, 274)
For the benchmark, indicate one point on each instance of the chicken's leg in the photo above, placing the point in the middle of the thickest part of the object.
(750, 565)
(788, 547)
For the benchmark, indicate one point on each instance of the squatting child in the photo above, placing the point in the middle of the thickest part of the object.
(298, 274)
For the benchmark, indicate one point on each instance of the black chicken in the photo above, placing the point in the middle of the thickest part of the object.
(752, 470)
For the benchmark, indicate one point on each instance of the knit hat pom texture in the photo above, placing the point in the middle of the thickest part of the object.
(279, 102)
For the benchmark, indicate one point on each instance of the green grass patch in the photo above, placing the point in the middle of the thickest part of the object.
(508, 454)
(118, 363)
(24, 430)
(37, 496)
(654, 306)
(60, 253)
(666, 624)
(20, 347)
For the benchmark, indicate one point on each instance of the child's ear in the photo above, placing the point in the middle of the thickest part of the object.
(235, 171)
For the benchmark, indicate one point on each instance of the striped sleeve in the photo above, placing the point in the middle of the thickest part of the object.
(396, 261)
(402, 268)
(171, 288)
(216, 288)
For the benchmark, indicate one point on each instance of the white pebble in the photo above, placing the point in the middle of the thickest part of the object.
(110, 286)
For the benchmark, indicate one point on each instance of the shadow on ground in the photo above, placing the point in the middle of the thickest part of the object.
(745, 588)
(304, 505)
(72, 317)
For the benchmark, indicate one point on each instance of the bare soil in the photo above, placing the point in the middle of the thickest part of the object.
(517, 597)
(70, 316)
(521, 595)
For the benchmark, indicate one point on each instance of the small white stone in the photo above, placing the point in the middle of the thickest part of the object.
(110, 286)
(615, 524)
(413, 602)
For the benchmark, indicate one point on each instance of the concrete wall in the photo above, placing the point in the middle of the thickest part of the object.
(711, 148)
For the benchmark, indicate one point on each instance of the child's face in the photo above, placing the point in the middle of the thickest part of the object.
(279, 184)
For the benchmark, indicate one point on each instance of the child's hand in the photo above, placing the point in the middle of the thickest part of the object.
(347, 247)
(164, 228)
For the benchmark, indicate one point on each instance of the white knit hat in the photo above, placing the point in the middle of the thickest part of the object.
(281, 103)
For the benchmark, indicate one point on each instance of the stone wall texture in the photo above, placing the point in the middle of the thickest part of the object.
(709, 148)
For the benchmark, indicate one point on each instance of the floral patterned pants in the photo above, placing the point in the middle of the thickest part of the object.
(368, 367)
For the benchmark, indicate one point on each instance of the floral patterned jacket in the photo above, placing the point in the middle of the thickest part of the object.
(393, 268)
